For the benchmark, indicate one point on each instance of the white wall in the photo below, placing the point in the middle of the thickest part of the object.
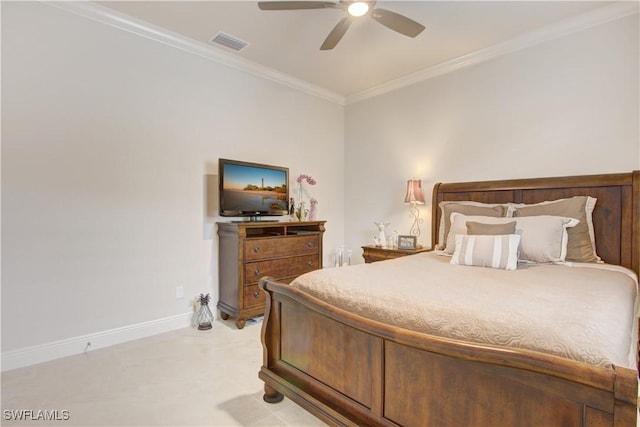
(565, 107)
(107, 141)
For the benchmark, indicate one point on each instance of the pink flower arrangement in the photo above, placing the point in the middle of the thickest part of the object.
(305, 177)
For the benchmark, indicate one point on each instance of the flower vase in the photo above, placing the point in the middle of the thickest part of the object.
(301, 212)
(301, 215)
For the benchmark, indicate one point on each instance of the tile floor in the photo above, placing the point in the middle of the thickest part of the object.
(181, 378)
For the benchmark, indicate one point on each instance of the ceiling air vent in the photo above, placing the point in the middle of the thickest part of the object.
(229, 41)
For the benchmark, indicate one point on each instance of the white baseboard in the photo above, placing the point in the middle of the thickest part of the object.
(70, 346)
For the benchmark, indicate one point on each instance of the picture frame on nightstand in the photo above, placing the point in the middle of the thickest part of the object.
(407, 242)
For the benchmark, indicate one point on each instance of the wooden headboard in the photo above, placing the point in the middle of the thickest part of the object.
(616, 217)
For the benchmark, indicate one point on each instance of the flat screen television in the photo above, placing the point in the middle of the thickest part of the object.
(252, 189)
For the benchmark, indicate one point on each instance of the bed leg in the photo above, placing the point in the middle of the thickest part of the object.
(271, 395)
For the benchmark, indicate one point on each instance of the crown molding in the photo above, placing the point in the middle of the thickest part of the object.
(142, 28)
(562, 28)
(602, 15)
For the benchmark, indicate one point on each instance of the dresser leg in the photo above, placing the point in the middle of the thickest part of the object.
(240, 323)
(271, 395)
(224, 315)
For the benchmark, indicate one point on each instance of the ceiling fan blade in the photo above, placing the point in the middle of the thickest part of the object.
(294, 5)
(397, 22)
(336, 34)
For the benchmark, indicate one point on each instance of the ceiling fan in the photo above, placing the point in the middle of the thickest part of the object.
(354, 9)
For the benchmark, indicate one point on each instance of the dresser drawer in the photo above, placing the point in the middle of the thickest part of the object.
(274, 247)
(277, 268)
(253, 296)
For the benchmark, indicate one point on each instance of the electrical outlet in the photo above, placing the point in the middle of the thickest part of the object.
(179, 292)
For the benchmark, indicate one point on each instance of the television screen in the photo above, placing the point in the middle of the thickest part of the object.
(252, 189)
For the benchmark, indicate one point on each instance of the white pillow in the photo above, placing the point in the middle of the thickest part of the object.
(499, 251)
(543, 238)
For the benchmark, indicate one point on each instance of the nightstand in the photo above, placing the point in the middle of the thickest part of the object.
(379, 253)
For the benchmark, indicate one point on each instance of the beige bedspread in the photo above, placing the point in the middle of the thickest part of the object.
(582, 312)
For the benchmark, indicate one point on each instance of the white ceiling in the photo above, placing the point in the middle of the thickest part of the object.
(370, 54)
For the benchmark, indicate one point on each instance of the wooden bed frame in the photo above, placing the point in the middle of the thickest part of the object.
(349, 370)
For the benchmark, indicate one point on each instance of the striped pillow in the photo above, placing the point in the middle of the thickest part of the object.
(487, 251)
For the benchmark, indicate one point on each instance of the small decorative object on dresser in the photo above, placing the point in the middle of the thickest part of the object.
(302, 212)
(376, 253)
(407, 242)
(313, 209)
(380, 239)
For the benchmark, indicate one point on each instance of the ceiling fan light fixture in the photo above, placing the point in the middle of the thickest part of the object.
(358, 8)
(354, 8)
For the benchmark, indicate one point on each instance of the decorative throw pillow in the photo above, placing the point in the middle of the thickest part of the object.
(465, 208)
(543, 238)
(495, 251)
(582, 245)
(459, 226)
(475, 228)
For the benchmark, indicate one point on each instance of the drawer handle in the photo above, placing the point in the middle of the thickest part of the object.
(256, 294)
(309, 244)
(310, 263)
(256, 249)
(256, 271)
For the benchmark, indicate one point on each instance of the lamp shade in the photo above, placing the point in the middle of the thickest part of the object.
(414, 192)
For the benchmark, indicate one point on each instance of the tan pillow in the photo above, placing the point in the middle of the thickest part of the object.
(487, 251)
(581, 246)
(543, 238)
(459, 226)
(475, 228)
(465, 208)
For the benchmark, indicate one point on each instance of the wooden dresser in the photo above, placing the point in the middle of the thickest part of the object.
(248, 251)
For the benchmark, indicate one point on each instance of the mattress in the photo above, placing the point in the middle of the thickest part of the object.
(583, 312)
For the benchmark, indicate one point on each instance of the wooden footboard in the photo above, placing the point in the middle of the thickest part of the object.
(348, 370)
